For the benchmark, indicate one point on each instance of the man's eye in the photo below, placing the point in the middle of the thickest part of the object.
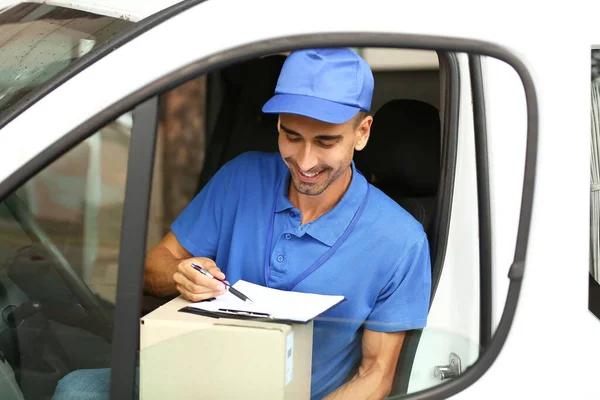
(326, 145)
(293, 139)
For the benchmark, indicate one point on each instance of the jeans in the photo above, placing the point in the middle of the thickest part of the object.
(88, 384)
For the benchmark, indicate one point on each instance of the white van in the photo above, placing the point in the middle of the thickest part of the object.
(472, 136)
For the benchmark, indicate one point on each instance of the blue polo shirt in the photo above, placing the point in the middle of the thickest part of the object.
(382, 267)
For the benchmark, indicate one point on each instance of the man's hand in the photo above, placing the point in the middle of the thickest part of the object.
(194, 286)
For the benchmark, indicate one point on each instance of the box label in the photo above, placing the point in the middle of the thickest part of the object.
(289, 358)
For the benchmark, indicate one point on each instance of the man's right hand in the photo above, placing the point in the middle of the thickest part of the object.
(194, 286)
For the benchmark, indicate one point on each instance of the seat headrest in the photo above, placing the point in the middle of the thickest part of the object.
(241, 125)
(252, 84)
(258, 77)
(403, 151)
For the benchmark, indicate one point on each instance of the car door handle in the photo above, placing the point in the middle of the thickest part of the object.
(452, 370)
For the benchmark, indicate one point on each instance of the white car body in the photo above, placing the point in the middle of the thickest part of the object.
(552, 347)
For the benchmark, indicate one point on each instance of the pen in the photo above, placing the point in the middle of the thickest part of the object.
(233, 291)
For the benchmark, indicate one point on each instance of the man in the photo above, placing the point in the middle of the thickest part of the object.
(306, 220)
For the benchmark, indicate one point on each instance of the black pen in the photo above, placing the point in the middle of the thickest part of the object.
(233, 291)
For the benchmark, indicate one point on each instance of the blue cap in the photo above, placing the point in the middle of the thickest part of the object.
(330, 85)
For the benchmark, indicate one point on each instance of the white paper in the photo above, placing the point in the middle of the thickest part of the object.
(280, 304)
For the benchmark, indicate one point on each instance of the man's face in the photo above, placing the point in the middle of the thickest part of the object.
(318, 153)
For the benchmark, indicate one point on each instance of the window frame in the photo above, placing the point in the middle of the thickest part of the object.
(132, 252)
(202, 66)
(483, 202)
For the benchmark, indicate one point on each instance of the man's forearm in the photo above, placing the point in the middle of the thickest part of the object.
(161, 264)
(369, 385)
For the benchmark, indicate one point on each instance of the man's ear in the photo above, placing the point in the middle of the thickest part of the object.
(363, 132)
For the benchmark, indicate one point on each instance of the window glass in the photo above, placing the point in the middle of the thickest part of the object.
(59, 246)
(37, 41)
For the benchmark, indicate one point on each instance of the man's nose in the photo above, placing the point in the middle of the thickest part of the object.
(307, 158)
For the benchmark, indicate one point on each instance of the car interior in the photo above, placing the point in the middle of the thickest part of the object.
(53, 322)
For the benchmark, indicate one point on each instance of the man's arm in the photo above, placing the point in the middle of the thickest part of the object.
(161, 264)
(168, 271)
(377, 369)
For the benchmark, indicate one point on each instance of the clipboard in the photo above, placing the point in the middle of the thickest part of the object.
(237, 314)
(278, 306)
(245, 315)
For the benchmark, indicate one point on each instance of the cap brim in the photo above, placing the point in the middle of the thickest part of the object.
(312, 107)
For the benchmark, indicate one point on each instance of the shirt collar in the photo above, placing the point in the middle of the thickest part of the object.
(331, 225)
(283, 202)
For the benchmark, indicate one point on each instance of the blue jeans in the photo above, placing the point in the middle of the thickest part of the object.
(88, 384)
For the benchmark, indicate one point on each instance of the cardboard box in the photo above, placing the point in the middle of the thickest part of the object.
(188, 356)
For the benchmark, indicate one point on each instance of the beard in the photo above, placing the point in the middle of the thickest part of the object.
(328, 176)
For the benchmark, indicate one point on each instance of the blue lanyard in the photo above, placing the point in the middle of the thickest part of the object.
(324, 257)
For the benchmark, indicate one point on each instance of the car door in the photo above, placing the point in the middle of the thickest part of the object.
(146, 67)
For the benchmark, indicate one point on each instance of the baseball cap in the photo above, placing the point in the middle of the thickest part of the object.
(330, 85)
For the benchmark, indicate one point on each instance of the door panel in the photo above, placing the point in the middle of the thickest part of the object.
(454, 315)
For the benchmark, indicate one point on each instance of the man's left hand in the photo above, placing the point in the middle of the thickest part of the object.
(377, 369)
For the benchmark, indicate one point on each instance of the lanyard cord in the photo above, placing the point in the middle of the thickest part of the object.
(324, 257)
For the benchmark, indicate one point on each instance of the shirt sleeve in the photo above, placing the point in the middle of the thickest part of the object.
(198, 227)
(403, 304)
